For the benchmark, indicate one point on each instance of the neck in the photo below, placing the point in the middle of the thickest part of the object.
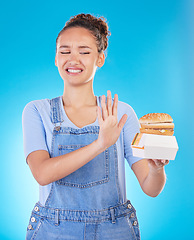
(79, 97)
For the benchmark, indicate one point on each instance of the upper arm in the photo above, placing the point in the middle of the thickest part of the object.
(34, 139)
(141, 170)
(130, 128)
(35, 159)
(34, 135)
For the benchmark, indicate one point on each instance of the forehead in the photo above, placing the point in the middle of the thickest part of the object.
(76, 35)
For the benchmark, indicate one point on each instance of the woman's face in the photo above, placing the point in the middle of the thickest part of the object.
(77, 55)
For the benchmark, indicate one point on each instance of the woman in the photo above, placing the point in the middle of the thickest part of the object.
(75, 146)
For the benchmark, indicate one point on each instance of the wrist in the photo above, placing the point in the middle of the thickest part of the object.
(100, 148)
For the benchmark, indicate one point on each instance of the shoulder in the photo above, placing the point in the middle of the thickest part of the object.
(41, 107)
(37, 104)
(132, 123)
(125, 108)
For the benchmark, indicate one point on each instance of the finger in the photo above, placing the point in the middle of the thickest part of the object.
(115, 105)
(109, 102)
(159, 162)
(155, 162)
(165, 161)
(162, 162)
(151, 162)
(104, 109)
(122, 121)
(100, 120)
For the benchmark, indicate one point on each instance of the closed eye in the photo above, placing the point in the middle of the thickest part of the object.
(80, 52)
(65, 52)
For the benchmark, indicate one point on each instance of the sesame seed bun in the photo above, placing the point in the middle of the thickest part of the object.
(155, 117)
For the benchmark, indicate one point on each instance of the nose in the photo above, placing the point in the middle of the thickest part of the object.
(74, 58)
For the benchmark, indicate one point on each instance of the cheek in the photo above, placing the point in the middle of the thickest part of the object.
(60, 60)
(91, 62)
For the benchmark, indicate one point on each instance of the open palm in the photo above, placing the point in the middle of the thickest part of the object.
(110, 129)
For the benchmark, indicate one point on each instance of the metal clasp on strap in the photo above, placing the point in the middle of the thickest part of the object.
(56, 217)
(58, 126)
(113, 215)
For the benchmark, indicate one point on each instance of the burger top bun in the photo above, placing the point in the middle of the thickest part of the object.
(155, 118)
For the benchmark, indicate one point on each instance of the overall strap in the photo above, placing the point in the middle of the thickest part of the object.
(56, 113)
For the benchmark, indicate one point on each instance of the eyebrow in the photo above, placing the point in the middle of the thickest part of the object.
(66, 46)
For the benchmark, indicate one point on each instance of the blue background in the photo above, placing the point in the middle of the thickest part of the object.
(149, 65)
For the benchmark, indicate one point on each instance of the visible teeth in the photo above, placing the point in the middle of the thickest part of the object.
(74, 71)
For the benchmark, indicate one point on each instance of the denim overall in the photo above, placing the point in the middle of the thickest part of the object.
(84, 205)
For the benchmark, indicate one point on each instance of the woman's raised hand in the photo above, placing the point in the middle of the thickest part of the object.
(110, 129)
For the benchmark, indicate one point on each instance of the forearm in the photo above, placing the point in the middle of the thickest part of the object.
(59, 167)
(154, 182)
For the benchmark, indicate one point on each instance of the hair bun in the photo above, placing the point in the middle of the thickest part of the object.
(96, 25)
(99, 22)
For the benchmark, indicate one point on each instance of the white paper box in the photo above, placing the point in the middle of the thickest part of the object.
(155, 147)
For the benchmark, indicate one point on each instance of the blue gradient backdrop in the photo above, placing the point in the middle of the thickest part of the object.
(149, 65)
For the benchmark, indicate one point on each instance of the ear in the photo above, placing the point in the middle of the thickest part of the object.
(56, 60)
(101, 59)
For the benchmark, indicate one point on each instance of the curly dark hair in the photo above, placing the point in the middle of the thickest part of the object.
(97, 26)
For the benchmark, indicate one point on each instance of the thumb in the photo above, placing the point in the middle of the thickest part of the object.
(122, 121)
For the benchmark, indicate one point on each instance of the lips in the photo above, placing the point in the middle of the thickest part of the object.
(73, 70)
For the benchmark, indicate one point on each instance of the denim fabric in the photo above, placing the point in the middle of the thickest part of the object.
(118, 222)
(87, 203)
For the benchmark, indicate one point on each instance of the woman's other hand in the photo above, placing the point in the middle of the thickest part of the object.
(157, 164)
(151, 175)
(110, 129)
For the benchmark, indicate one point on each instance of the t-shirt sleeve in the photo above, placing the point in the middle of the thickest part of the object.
(130, 128)
(34, 136)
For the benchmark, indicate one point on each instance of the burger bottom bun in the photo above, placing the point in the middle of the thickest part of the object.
(167, 132)
(157, 125)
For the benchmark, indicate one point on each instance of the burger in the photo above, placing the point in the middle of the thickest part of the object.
(157, 123)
